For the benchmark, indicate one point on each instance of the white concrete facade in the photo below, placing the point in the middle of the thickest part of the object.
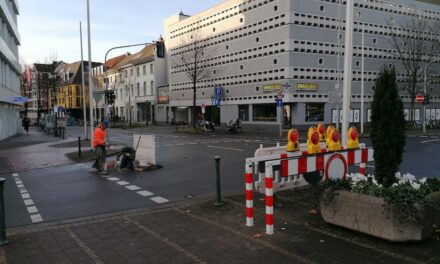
(10, 70)
(259, 48)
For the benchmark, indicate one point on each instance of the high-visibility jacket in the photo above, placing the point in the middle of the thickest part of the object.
(99, 137)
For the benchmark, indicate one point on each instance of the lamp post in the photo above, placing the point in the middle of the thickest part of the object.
(212, 108)
(424, 91)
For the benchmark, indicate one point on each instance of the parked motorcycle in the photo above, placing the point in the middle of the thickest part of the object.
(204, 126)
(233, 127)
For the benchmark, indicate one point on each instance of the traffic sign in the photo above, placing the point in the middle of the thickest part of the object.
(420, 98)
(279, 102)
(218, 90)
(21, 99)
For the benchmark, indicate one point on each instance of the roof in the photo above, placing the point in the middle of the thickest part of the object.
(74, 70)
(115, 60)
(146, 54)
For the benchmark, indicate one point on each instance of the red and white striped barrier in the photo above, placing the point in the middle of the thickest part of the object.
(291, 166)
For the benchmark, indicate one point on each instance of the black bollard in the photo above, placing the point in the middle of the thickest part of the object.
(79, 147)
(219, 201)
(3, 238)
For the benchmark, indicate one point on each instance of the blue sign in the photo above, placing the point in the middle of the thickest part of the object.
(218, 91)
(21, 99)
(279, 102)
(217, 102)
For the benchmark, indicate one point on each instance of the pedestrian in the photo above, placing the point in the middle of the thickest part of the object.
(25, 123)
(99, 145)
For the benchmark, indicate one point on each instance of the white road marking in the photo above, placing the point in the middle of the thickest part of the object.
(28, 202)
(123, 183)
(32, 209)
(159, 199)
(36, 218)
(226, 148)
(132, 187)
(145, 193)
(113, 179)
(423, 136)
(432, 140)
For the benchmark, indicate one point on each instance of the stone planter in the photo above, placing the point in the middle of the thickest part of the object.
(367, 214)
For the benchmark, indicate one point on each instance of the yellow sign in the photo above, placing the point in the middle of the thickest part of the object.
(306, 86)
(271, 88)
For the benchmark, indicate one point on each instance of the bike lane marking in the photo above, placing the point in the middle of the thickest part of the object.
(27, 200)
(138, 190)
(432, 140)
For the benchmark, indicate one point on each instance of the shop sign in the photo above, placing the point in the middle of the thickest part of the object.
(272, 88)
(306, 86)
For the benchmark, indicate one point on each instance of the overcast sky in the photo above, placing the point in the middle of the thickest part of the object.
(52, 26)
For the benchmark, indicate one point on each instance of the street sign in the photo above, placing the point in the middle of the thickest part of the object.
(335, 97)
(420, 98)
(279, 102)
(217, 102)
(21, 99)
(218, 90)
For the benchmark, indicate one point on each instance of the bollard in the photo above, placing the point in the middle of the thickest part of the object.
(217, 172)
(79, 147)
(3, 238)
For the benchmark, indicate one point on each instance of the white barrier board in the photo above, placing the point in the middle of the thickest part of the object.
(146, 149)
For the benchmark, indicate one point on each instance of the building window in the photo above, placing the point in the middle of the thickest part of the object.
(314, 112)
(137, 71)
(131, 72)
(243, 112)
(275, 61)
(340, 36)
(145, 88)
(321, 8)
(374, 40)
(257, 39)
(227, 47)
(152, 87)
(213, 29)
(241, 67)
(275, 8)
(320, 61)
(241, 20)
(257, 89)
(358, 14)
(151, 68)
(144, 69)
(358, 63)
(265, 112)
(138, 90)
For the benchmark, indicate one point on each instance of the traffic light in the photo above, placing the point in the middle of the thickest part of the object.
(160, 49)
(427, 99)
(321, 131)
(111, 97)
(333, 143)
(353, 138)
(313, 145)
(292, 140)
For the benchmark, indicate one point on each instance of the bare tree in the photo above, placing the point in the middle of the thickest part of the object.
(414, 47)
(194, 63)
(51, 57)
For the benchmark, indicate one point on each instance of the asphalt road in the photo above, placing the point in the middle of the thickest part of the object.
(72, 191)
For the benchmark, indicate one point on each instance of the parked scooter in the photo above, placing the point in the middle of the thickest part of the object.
(233, 127)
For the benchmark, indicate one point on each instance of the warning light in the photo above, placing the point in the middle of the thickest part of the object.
(313, 145)
(333, 140)
(292, 140)
(321, 131)
(353, 138)
(327, 134)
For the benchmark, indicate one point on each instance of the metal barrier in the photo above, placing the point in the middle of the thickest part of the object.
(279, 170)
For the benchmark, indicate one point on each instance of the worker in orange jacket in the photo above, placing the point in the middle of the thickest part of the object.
(99, 145)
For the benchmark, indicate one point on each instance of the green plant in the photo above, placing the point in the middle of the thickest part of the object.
(406, 197)
(387, 127)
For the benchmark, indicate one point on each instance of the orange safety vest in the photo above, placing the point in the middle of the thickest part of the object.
(99, 137)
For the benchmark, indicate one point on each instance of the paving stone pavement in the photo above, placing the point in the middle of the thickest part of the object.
(199, 232)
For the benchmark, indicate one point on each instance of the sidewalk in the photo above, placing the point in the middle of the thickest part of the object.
(198, 232)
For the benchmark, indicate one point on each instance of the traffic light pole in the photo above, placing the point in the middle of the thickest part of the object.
(105, 69)
(424, 91)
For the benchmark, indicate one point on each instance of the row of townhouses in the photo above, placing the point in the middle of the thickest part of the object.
(241, 56)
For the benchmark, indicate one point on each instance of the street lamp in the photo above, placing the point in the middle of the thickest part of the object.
(424, 90)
